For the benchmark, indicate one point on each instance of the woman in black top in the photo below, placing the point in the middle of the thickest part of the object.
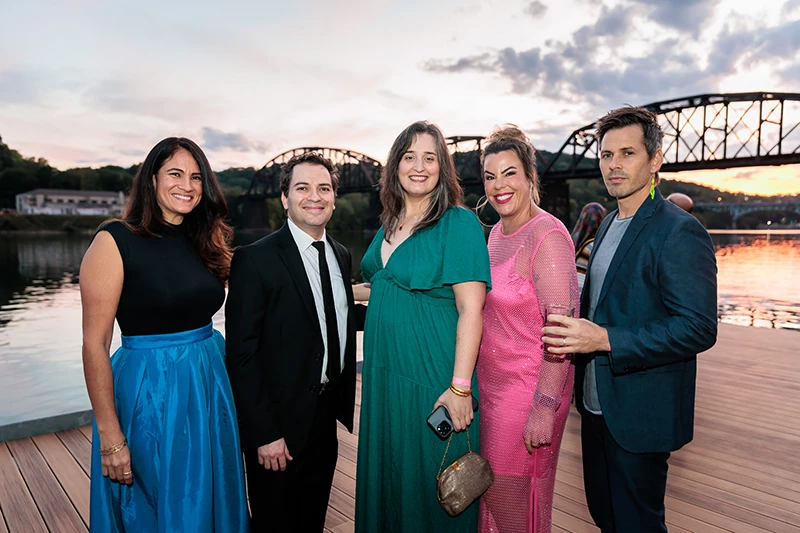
(165, 448)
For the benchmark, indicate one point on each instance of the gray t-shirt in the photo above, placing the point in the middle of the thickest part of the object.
(602, 255)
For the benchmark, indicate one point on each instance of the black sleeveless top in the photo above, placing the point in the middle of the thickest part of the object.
(167, 286)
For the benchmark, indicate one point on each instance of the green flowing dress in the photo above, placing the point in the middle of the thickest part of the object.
(409, 351)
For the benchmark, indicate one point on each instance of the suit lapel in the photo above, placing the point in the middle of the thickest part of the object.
(290, 255)
(640, 220)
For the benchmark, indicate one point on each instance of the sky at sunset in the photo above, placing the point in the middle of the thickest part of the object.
(97, 82)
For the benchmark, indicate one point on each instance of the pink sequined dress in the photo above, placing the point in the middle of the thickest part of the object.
(522, 390)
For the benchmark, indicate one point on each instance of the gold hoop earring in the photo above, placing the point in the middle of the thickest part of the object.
(530, 194)
(479, 208)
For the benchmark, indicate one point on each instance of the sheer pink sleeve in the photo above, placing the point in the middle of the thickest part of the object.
(555, 281)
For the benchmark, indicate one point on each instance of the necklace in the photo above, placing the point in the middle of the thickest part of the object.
(412, 219)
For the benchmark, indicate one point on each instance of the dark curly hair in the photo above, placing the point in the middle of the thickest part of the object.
(310, 158)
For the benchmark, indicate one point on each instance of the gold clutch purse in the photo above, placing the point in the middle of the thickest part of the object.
(464, 481)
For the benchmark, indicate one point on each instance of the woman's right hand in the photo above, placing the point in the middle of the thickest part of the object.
(116, 466)
(459, 407)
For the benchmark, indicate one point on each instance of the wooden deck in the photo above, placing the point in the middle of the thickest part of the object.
(740, 474)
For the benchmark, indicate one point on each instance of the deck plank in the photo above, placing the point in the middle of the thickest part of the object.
(87, 432)
(73, 479)
(740, 474)
(79, 447)
(335, 518)
(58, 512)
(16, 501)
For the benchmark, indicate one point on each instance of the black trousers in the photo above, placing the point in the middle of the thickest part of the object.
(624, 491)
(296, 499)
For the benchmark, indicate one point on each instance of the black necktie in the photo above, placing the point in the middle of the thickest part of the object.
(333, 370)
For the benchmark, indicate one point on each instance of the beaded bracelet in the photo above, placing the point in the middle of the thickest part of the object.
(460, 392)
(114, 449)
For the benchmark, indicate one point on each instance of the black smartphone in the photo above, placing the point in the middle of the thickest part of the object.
(441, 423)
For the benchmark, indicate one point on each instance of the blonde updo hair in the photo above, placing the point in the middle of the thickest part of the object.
(510, 138)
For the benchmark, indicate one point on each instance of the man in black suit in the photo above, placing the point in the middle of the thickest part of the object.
(291, 353)
(649, 304)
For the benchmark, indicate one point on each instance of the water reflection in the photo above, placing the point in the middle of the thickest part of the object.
(757, 279)
(40, 315)
(40, 364)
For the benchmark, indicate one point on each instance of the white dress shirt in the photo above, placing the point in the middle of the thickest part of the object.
(310, 257)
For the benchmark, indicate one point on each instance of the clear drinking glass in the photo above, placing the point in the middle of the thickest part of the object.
(557, 309)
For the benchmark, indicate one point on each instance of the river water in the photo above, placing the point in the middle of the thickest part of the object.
(40, 315)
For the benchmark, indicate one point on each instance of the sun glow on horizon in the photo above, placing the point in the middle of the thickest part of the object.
(765, 181)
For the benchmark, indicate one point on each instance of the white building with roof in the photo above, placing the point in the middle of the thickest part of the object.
(70, 202)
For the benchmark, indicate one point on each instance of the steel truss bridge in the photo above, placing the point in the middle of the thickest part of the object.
(709, 131)
(738, 210)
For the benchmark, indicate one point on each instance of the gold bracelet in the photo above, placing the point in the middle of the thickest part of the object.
(114, 449)
(460, 392)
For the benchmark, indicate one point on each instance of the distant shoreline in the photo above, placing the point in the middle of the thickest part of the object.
(251, 231)
(781, 231)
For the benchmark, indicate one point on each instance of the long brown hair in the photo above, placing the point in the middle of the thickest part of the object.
(448, 190)
(205, 225)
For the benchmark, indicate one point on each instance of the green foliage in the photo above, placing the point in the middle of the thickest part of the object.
(19, 174)
(235, 181)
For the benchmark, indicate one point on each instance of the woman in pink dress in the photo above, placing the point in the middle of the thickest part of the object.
(525, 393)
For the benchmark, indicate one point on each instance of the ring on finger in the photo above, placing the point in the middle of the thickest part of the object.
(564, 341)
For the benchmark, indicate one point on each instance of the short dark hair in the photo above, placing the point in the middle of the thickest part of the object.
(308, 158)
(448, 191)
(629, 116)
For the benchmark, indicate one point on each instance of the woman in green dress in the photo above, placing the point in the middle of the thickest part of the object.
(428, 268)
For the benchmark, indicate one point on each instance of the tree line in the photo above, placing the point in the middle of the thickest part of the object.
(19, 174)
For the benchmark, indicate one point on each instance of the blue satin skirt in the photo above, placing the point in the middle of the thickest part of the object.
(175, 406)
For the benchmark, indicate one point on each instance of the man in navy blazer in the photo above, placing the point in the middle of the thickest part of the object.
(648, 307)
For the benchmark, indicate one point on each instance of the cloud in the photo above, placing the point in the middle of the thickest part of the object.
(21, 86)
(481, 63)
(599, 66)
(97, 161)
(536, 9)
(747, 175)
(120, 95)
(132, 152)
(748, 49)
(686, 16)
(789, 7)
(781, 40)
(214, 139)
(554, 70)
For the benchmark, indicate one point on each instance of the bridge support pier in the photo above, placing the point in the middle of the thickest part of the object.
(555, 200)
(255, 213)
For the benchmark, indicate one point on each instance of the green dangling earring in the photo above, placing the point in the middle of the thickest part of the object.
(652, 187)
